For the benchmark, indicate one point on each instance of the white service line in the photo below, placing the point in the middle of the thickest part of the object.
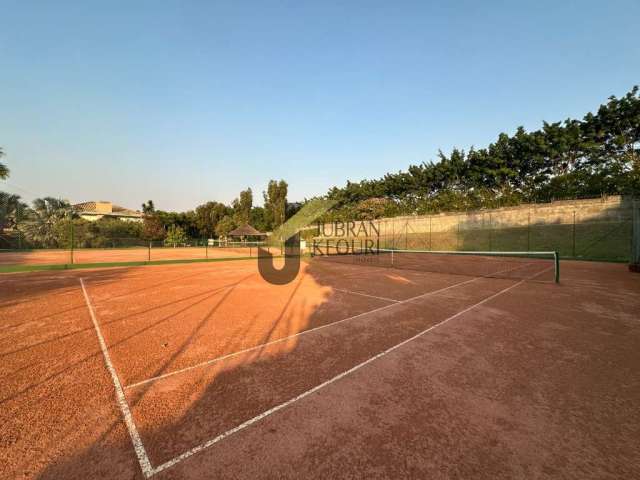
(352, 292)
(143, 458)
(273, 410)
(311, 330)
(304, 332)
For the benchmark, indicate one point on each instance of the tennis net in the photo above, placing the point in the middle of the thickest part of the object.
(540, 266)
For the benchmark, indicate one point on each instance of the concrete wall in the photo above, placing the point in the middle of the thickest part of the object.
(597, 229)
(605, 209)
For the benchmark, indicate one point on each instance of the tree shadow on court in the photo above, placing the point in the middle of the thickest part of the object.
(110, 454)
(281, 362)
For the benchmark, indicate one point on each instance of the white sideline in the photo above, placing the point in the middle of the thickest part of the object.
(247, 350)
(257, 418)
(393, 300)
(141, 453)
(304, 332)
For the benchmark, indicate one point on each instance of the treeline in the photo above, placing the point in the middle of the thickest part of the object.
(216, 220)
(54, 223)
(597, 155)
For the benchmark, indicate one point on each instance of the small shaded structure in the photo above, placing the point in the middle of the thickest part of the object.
(246, 230)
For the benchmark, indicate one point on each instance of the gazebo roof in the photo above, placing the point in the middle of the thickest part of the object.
(246, 230)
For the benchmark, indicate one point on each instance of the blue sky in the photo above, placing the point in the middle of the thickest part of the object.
(184, 102)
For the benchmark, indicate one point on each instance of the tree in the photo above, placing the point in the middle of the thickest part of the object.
(12, 211)
(242, 207)
(175, 236)
(42, 224)
(258, 219)
(599, 154)
(148, 208)
(152, 228)
(275, 202)
(207, 217)
(4, 170)
(224, 226)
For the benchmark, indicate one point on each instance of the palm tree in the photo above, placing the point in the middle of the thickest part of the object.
(12, 210)
(45, 216)
(148, 208)
(4, 171)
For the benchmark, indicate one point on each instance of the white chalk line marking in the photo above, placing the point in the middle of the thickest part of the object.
(279, 340)
(352, 292)
(141, 453)
(311, 330)
(273, 410)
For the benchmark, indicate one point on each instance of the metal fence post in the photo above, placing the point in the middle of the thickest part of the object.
(71, 251)
(635, 236)
(573, 248)
(529, 231)
(490, 233)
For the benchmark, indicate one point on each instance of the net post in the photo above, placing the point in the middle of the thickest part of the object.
(556, 261)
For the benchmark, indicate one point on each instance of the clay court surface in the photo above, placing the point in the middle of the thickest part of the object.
(207, 371)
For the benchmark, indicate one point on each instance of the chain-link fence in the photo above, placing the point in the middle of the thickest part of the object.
(15, 249)
(593, 229)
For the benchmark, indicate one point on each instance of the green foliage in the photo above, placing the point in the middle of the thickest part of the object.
(275, 203)
(597, 155)
(175, 236)
(152, 228)
(12, 211)
(224, 226)
(258, 219)
(148, 208)
(41, 227)
(242, 207)
(4, 170)
(208, 215)
(185, 220)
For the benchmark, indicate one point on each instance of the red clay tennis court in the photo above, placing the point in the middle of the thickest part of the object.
(350, 371)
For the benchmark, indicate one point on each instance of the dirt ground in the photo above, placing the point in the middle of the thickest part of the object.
(207, 371)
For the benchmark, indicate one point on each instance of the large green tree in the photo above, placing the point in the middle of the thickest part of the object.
(207, 217)
(12, 211)
(225, 225)
(175, 236)
(42, 225)
(148, 208)
(242, 207)
(599, 154)
(275, 202)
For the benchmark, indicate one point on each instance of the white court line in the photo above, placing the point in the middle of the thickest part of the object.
(279, 340)
(366, 295)
(273, 410)
(143, 458)
(311, 330)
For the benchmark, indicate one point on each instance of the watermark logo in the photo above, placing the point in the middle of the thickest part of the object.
(332, 238)
(288, 235)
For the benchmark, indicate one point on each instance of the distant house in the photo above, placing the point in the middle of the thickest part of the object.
(93, 211)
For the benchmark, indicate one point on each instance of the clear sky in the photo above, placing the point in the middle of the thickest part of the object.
(183, 102)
